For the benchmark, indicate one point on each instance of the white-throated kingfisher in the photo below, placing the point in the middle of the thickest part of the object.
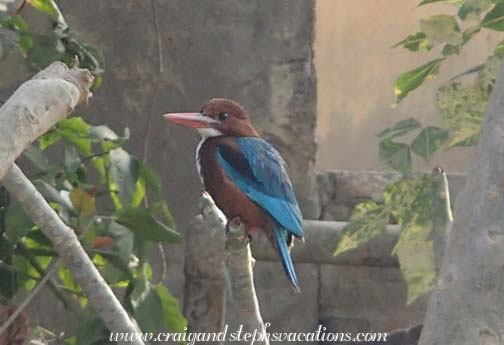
(245, 175)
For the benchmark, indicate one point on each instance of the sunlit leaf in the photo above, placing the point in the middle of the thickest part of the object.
(400, 195)
(48, 139)
(416, 259)
(76, 131)
(428, 141)
(411, 80)
(414, 247)
(368, 220)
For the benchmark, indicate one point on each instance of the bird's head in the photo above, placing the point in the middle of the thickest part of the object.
(218, 116)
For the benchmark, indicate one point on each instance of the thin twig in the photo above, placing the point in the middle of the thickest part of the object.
(30, 296)
(158, 36)
(148, 128)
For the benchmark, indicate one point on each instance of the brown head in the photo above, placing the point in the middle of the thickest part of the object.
(218, 116)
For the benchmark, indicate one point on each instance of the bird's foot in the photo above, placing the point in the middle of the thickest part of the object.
(236, 231)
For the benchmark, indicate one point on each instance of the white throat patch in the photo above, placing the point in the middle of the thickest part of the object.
(205, 134)
(209, 132)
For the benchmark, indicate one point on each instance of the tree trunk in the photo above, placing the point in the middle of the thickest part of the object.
(467, 306)
(33, 109)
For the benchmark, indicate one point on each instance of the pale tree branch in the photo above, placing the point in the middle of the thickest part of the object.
(239, 263)
(33, 109)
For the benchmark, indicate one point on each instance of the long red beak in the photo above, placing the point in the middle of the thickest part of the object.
(193, 120)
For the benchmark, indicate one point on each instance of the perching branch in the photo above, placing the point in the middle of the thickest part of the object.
(239, 264)
(467, 305)
(33, 109)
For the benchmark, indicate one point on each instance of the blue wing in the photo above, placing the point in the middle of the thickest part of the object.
(259, 171)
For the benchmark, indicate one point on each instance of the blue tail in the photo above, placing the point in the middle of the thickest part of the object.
(283, 251)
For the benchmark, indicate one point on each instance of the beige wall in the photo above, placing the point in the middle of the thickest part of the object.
(356, 70)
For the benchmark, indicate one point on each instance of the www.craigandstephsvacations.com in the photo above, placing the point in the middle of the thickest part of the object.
(251, 337)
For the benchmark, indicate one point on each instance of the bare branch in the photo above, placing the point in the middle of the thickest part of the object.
(33, 109)
(239, 264)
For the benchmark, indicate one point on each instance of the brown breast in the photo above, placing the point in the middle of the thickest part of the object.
(228, 197)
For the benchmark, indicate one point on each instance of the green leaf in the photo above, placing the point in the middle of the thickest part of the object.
(45, 50)
(17, 223)
(499, 50)
(124, 176)
(450, 2)
(415, 42)
(441, 29)
(368, 220)
(149, 313)
(425, 2)
(416, 259)
(428, 141)
(494, 20)
(472, 9)
(400, 196)
(450, 49)
(469, 33)
(414, 247)
(147, 227)
(66, 277)
(400, 128)
(395, 155)
(172, 315)
(411, 80)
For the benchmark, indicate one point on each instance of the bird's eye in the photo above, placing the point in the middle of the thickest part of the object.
(223, 116)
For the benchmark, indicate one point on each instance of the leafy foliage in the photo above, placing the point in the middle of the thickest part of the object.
(98, 188)
(409, 201)
(450, 32)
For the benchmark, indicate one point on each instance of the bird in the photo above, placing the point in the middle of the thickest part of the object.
(245, 176)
